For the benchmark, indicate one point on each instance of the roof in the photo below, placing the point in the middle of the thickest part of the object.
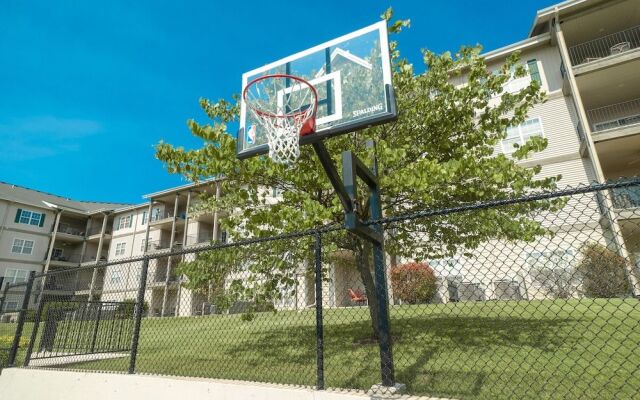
(547, 13)
(182, 188)
(36, 198)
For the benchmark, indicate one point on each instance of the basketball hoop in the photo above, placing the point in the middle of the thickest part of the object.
(285, 107)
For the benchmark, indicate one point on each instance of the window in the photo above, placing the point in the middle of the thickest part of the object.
(124, 222)
(515, 85)
(56, 253)
(115, 276)
(519, 135)
(276, 192)
(143, 245)
(15, 275)
(223, 237)
(11, 306)
(144, 217)
(120, 248)
(22, 246)
(29, 218)
(553, 271)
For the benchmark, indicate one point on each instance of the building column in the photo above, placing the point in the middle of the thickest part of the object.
(169, 258)
(94, 276)
(593, 155)
(216, 227)
(84, 242)
(53, 240)
(184, 243)
(146, 234)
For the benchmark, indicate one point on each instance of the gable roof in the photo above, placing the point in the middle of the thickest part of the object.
(36, 198)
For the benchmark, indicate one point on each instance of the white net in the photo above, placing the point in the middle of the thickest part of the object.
(284, 106)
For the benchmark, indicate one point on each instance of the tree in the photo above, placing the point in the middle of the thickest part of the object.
(413, 282)
(439, 153)
(604, 272)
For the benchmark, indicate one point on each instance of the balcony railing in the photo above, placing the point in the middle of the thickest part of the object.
(199, 239)
(97, 230)
(158, 216)
(67, 257)
(70, 230)
(625, 198)
(609, 45)
(615, 115)
(156, 245)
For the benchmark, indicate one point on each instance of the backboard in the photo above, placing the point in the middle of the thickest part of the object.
(352, 78)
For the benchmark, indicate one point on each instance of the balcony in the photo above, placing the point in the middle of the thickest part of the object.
(164, 219)
(626, 198)
(606, 46)
(614, 116)
(95, 231)
(66, 259)
(158, 245)
(68, 232)
(202, 239)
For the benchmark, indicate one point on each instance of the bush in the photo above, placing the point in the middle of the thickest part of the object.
(126, 309)
(413, 282)
(604, 272)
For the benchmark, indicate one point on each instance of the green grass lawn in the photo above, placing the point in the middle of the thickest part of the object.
(574, 349)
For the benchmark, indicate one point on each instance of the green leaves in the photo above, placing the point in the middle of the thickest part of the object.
(441, 152)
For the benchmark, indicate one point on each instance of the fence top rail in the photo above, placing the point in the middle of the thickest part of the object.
(594, 187)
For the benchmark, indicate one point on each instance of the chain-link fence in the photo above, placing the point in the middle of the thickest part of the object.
(535, 297)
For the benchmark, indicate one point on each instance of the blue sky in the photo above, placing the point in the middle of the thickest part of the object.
(87, 88)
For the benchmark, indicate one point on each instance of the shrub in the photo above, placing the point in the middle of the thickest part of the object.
(126, 308)
(604, 272)
(413, 282)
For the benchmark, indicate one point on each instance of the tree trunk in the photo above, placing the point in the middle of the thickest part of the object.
(363, 263)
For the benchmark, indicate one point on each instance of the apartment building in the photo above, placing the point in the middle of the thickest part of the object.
(585, 54)
(41, 231)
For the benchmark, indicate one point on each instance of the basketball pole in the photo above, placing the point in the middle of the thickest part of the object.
(347, 191)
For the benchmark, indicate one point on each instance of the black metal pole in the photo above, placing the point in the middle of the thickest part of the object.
(21, 317)
(319, 320)
(387, 369)
(95, 329)
(4, 297)
(34, 330)
(138, 315)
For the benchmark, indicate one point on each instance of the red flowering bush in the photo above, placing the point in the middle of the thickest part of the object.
(413, 282)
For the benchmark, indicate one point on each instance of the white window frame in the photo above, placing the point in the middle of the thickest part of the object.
(16, 278)
(544, 259)
(521, 138)
(514, 85)
(124, 222)
(143, 245)
(57, 252)
(121, 248)
(145, 218)
(22, 246)
(28, 217)
(116, 276)
(11, 306)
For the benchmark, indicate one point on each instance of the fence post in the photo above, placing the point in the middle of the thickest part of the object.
(4, 296)
(95, 329)
(319, 320)
(36, 323)
(21, 317)
(139, 308)
(387, 370)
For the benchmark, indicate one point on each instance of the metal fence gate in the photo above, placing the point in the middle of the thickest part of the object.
(78, 327)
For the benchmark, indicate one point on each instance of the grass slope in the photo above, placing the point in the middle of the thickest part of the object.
(573, 349)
